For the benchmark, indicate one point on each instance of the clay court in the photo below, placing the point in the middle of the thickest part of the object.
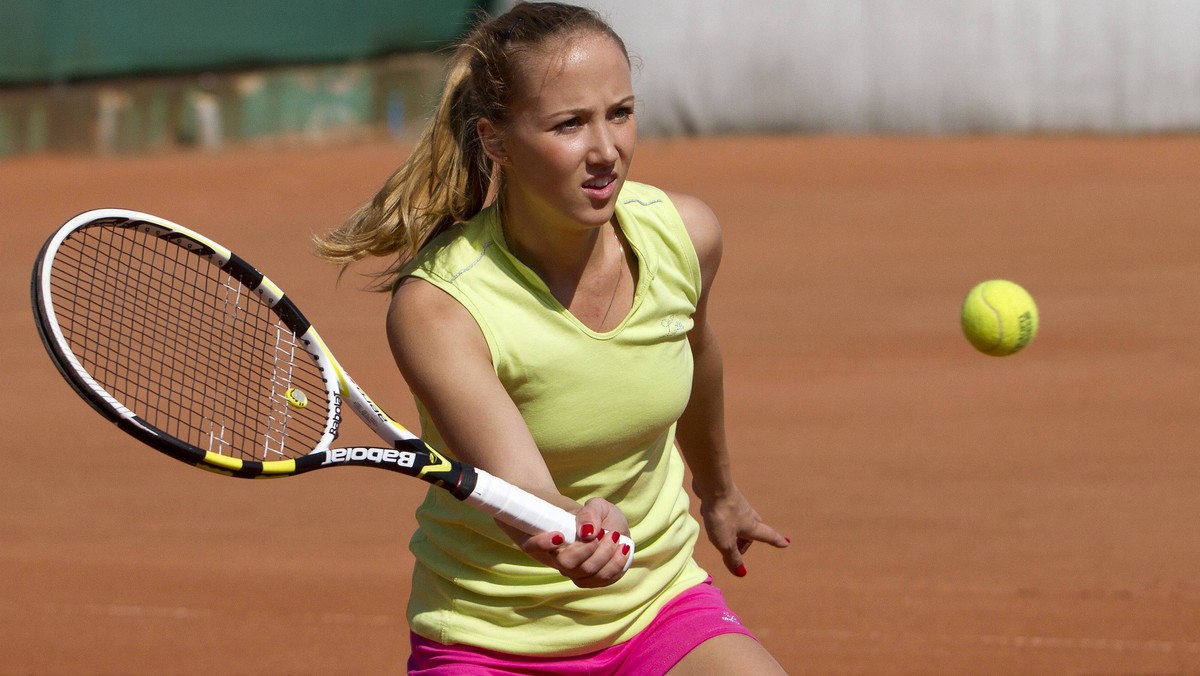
(951, 513)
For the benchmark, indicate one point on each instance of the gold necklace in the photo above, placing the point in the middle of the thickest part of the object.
(617, 285)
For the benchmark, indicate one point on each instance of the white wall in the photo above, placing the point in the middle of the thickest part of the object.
(913, 66)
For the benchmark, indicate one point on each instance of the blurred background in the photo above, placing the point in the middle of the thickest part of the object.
(130, 76)
(870, 161)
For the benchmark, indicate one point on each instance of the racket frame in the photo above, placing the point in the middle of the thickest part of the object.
(408, 455)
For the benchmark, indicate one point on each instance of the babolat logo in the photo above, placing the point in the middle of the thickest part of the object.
(379, 456)
(336, 423)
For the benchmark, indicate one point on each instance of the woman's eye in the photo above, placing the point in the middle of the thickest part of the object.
(567, 125)
(623, 113)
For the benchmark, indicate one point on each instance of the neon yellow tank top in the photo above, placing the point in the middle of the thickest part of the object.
(602, 408)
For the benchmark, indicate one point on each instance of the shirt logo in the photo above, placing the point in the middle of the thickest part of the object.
(673, 325)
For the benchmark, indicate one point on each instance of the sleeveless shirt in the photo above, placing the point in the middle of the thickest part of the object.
(602, 408)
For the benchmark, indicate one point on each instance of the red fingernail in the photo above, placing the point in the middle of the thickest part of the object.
(741, 570)
(625, 550)
(616, 537)
(557, 540)
(789, 540)
(600, 534)
(587, 530)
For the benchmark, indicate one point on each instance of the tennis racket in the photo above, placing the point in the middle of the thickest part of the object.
(195, 353)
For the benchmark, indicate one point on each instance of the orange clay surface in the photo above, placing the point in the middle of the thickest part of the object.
(950, 512)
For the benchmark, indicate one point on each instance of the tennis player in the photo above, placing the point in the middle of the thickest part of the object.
(549, 316)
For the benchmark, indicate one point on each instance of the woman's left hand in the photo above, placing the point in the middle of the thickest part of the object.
(733, 525)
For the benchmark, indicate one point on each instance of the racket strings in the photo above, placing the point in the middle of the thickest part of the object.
(185, 346)
(285, 354)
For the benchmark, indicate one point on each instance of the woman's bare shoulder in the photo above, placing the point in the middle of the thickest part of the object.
(704, 229)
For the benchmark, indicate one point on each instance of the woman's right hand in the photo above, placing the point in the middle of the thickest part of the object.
(595, 559)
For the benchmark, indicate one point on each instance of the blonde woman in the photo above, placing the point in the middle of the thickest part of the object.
(549, 317)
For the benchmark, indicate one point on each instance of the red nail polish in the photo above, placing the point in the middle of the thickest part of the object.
(600, 534)
(625, 550)
(741, 570)
(616, 537)
(789, 540)
(586, 531)
(557, 540)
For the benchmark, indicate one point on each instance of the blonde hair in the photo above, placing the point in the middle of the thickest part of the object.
(448, 178)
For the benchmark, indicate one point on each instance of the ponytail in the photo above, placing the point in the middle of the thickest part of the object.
(444, 181)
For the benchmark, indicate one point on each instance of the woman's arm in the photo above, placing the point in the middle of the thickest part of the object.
(731, 523)
(444, 358)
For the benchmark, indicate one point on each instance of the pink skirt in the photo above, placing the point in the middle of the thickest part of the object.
(690, 619)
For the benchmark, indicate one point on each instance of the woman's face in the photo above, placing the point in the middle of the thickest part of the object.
(572, 134)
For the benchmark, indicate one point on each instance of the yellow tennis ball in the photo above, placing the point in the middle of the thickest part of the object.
(999, 317)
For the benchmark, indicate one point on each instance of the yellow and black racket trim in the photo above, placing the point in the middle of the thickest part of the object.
(197, 354)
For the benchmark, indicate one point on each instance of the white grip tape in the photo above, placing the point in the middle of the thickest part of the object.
(526, 512)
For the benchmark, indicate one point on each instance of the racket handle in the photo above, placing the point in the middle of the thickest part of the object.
(525, 511)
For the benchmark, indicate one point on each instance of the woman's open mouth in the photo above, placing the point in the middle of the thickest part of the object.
(600, 187)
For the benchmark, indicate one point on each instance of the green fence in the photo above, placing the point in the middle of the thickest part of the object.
(68, 40)
(134, 75)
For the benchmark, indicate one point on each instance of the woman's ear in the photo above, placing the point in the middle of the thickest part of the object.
(493, 144)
